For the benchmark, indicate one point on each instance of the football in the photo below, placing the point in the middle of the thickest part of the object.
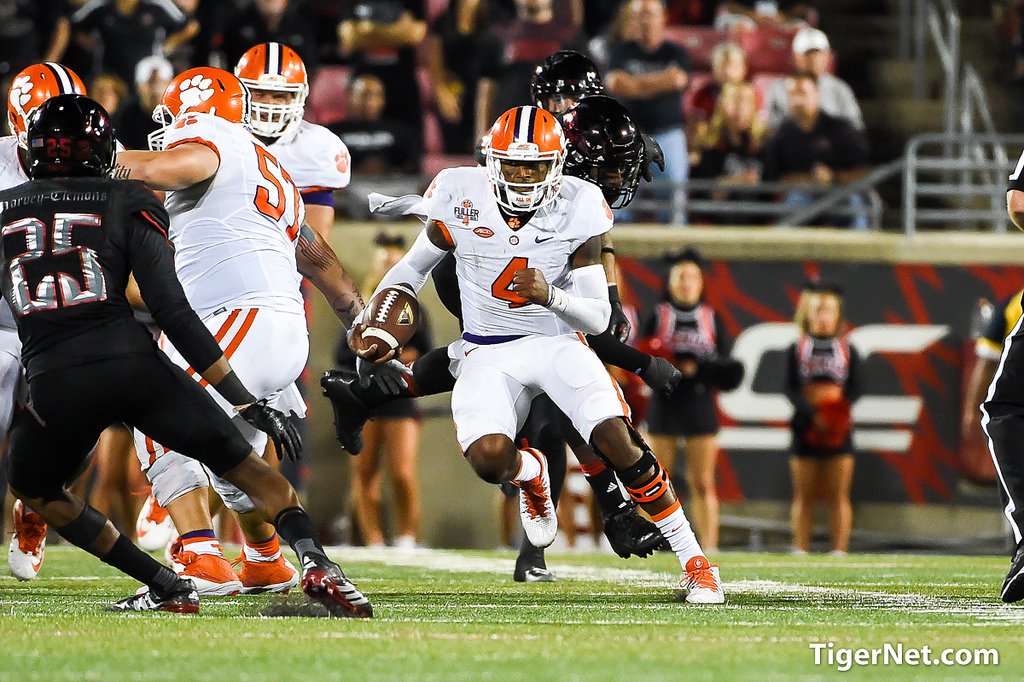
(391, 319)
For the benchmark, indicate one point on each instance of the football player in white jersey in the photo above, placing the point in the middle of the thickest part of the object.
(316, 158)
(527, 248)
(237, 223)
(30, 88)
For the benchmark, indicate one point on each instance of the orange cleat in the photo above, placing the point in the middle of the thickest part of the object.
(212, 574)
(277, 576)
(28, 545)
(702, 582)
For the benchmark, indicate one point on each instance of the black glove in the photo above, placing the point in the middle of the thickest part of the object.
(275, 424)
(662, 376)
(618, 323)
(652, 155)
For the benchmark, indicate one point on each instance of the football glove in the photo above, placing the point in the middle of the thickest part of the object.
(389, 376)
(653, 155)
(276, 425)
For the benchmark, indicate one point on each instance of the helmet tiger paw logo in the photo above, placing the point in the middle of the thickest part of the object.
(195, 91)
(21, 94)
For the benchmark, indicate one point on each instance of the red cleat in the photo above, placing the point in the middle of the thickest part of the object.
(328, 585)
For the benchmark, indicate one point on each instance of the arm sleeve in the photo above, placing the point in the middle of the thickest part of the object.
(415, 266)
(854, 388)
(152, 261)
(584, 304)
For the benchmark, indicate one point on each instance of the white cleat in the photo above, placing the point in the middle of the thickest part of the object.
(154, 527)
(28, 544)
(702, 582)
(536, 508)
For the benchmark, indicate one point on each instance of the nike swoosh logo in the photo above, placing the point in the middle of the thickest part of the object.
(541, 241)
(470, 351)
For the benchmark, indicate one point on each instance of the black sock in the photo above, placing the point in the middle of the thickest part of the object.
(614, 352)
(129, 559)
(607, 492)
(295, 526)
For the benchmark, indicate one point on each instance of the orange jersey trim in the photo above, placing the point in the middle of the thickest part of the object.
(195, 140)
(447, 235)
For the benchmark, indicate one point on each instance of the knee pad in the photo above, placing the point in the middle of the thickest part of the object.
(83, 531)
(647, 480)
(234, 499)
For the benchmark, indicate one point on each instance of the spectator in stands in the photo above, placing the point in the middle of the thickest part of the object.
(380, 37)
(110, 91)
(135, 121)
(749, 15)
(728, 65)
(514, 50)
(455, 47)
(378, 145)
(812, 147)
(31, 32)
(622, 29)
(192, 49)
(394, 430)
(649, 75)
(812, 54)
(729, 150)
(822, 382)
(262, 21)
(120, 33)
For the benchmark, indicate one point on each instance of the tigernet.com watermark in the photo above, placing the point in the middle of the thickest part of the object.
(844, 659)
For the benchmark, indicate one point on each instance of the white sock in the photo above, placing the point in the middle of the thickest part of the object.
(202, 547)
(679, 534)
(272, 549)
(529, 466)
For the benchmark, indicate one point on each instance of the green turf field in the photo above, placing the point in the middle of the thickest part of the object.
(458, 616)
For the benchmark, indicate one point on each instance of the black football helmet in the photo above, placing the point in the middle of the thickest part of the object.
(70, 135)
(604, 146)
(564, 75)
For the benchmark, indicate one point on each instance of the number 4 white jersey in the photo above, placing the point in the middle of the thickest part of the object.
(489, 251)
(234, 235)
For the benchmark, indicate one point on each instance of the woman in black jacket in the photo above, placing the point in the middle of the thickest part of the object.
(822, 382)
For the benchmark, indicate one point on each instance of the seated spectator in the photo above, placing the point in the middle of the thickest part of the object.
(730, 148)
(262, 21)
(814, 147)
(394, 432)
(110, 91)
(812, 54)
(728, 65)
(380, 37)
(120, 33)
(135, 121)
(453, 60)
(622, 29)
(749, 15)
(190, 46)
(378, 145)
(514, 50)
(649, 75)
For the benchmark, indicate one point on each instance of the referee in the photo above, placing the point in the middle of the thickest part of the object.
(1002, 417)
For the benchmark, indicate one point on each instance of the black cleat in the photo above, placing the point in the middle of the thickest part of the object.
(631, 534)
(326, 584)
(1013, 586)
(350, 413)
(530, 566)
(182, 599)
(662, 376)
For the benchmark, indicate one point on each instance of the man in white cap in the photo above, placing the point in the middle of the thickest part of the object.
(134, 122)
(813, 54)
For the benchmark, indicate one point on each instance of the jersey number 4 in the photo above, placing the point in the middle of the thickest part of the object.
(502, 286)
(274, 206)
(57, 289)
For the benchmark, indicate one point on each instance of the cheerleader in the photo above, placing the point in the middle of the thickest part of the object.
(822, 382)
(687, 332)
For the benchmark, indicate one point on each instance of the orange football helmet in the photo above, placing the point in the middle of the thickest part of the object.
(273, 67)
(525, 155)
(202, 90)
(34, 85)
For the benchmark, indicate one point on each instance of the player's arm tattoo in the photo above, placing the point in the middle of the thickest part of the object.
(588, 254)
(318, 262)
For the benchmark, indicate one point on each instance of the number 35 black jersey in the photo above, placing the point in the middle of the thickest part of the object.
(67, 248)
